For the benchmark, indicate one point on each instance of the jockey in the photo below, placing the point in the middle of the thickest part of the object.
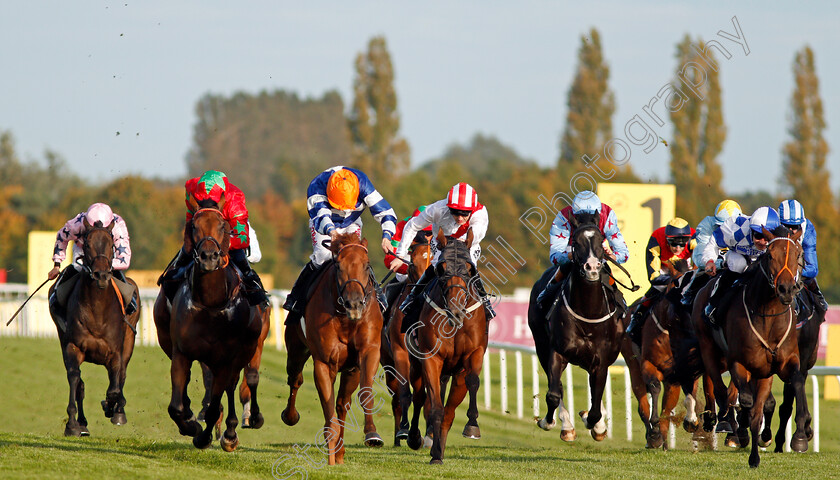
(75, 230)
(454, 216)
(393, 289)
(667, 244)
(336, 199)
(792, 216)
(213, 189)
(561, 232)
(703, 234)
(745, 240)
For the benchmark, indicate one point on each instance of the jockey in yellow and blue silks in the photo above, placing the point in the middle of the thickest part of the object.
(335, 200)
(792, 216)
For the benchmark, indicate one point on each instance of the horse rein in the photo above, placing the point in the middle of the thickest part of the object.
(789, 310)
(197, 247)
(775, 280)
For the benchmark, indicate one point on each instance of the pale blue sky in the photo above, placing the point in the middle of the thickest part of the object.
(75, 73)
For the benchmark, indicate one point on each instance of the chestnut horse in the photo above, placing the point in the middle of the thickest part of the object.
(209, 321)
(393, 354)
(759, 324)
(452, 339)
(341, 330)
(97, 330)
(584, 328)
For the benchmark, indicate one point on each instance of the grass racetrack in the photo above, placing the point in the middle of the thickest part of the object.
(35, 393)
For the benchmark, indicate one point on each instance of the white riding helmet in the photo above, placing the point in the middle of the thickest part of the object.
(586, 201)
(99, 212)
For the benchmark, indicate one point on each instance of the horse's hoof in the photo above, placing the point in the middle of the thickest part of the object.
(200, 442)
(545, 425)
(763, 443)
(754, 459)
(428, 441)
(119, 419)
(109, 411)
(435, 461)
(83, 431)
(288, 419)
(724, 427)
(598, 436)
(568, 435)
(799, 443)
(229, 445)
(191, 429)
(472, 431)
(256, 421)
(690, 427)
(373, 439)
(732, 441)
(246, 422)
(402, 434)
(654, 440)
(73, 432)
(415, 441)
(200, 417)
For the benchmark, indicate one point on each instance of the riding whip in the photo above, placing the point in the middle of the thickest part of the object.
(24, 302)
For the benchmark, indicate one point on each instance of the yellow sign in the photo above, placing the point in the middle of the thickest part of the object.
(640, 209)
(832, 357)
(39, 259)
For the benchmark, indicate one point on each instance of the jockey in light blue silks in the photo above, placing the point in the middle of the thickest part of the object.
(792, 216)
(745, 240)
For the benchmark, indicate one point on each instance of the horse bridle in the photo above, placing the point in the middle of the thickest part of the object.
(87, 268)
(197, 247)
(773, 280)
(341, 286)
(587, 226)
(445, 309)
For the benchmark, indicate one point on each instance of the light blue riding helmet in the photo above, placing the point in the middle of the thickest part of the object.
(791, 213)
(586, 202)
(766, 217)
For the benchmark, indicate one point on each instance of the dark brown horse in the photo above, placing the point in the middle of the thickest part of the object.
(393, 354)
(759, 324)
(584, 328)
(341, 330)
(209, 321)
(451, 339)
(97, 330)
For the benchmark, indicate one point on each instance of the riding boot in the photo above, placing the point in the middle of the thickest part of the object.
(637, 320)
(723, 287)
(392, 293)
(58, 299)
(551, 288)
(174, 273)
(485, 298)
(697, 282)
(296, 299)
(821, 304)
(254, 290)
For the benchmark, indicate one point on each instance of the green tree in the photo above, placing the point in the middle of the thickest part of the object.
(699, 132)
(805, 175)
(373, 120)
(591, 104)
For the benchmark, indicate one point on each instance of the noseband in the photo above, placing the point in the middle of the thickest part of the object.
(208, 238)
(773, 281)
(342, 286)
(88, 267)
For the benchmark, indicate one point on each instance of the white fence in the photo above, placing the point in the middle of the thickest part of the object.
(34, 321)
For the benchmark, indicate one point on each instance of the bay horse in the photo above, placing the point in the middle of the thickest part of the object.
(452, 338)
(584, 328)
(209, 321)
(97, 330)
(341, 330)
(760, 323)
(393, 354)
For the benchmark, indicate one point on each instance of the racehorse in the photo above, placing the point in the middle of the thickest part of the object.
(209, 321)
(341, 330)
(97, 330)
(584, 328)
(760, 322)
(452, 338)
(393, 354)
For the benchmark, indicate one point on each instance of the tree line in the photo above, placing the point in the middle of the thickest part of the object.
(271, 144)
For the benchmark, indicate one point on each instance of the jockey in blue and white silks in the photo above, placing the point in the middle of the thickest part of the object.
(707, 226)
(561, 230)
(744, 238)
(792, 216)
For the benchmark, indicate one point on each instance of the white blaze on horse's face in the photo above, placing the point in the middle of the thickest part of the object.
(592, 267)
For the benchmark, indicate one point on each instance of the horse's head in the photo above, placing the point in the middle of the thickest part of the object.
(454, 271)
(208, 239)
(783, 258)
(420, 254)
(99, 252)
(352, 274)
(587, 246)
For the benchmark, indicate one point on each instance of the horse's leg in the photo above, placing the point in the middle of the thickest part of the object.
(179, 373)
(799, 441)
(251, 415)
(415, 440)
(344, 401)
(757, 413)
(691, 423)
(709, 414)
(593, 419)
(767, 431)
(746, 388)
(73, 358)
(296, 357)
(431, 379)
(637, 383)
(324, 381)
(368, 364)
(402, 364)
(230, 440)
(554, 395)
(669, 401)
(80, 399)
(457, 392)
(112, 395)
(119, 417)
(220, 383)
(473, 381)
(652, 380)
(394, 388)
(207, 378)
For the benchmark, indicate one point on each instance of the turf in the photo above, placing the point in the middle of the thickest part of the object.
(32, 444)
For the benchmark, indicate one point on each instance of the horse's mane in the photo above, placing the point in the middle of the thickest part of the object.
(343, 239)
(456, 254)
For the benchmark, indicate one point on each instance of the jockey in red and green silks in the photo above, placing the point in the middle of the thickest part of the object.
(213, 189)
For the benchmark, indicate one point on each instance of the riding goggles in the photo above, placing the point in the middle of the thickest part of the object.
(459, 213)
(678, 241)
